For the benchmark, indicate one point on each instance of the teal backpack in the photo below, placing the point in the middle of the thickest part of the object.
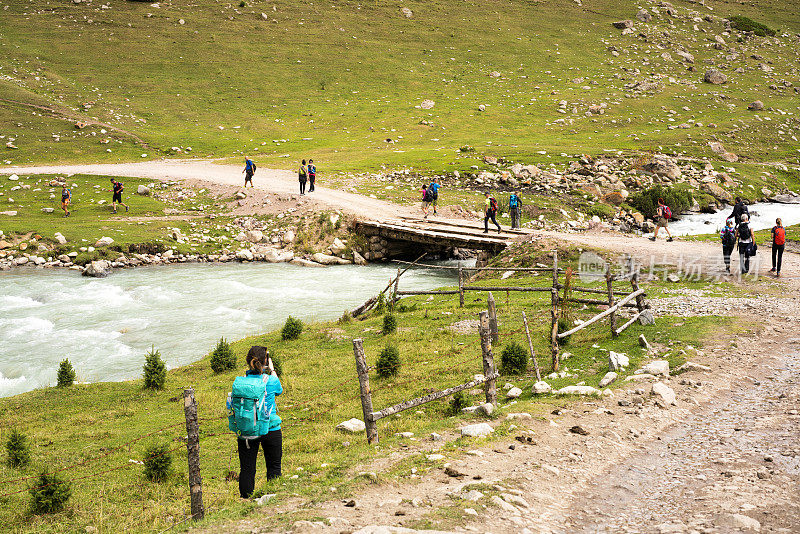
(246, 405)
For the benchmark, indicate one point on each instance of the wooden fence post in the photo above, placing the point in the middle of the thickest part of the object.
(460, 287)
(366, 394)
(490, 386)
(554, 315)
(493, 318)
(193, 450)
(640, 304)
(612, 318)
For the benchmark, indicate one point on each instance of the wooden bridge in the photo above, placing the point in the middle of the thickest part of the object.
(409, 236)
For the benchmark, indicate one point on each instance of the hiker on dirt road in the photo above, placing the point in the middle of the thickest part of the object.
(744, 234)
(255, 393)
(663, 215)
(312, 175)
(728, 238)
(427, 198)
(778, 244)
(491, 213)
(515, 208)
(434, 189)
(249, 171)
(302, 176)
(116, 198)
(66, 197)
(739, 209)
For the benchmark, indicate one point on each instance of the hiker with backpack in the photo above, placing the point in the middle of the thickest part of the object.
(253, 415)
(491, 213)
(739, 209)
(427, 198)
(778, 244)
(515, 209)
(116, 198)
(663, 215)
(249, 171)
(302, 176)
(728, 238)
(434, 189)
(312, 175)
(66, 197)
(747, 243)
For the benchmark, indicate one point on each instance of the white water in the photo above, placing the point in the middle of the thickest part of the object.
(105, 326)
(762, 216)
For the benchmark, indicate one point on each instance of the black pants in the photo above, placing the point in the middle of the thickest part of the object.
(490, 215)
(272, 444)
(248, 177)
(311, 179)
(514, 212)
(777, 254)
(744, 259)
(726, 256)
(302, 187)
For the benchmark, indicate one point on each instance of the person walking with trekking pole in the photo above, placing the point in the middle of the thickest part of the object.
(663, 215)
(491, 213)
(744, 234)
(249, 171)
(302, 176)
(434, 189)
(778, 244)
(515, 209)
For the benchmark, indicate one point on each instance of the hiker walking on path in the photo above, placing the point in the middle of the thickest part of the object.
(66, 197)
(728, 237)
(515, 209)
(116, 198)
(746, 241)
(249, 171)
(427, 198)
(778, 244)
(739, 209)
(302, 175)
(434, 189)
(491, 213)
(312, 175)
(663, 215)
(255, 393)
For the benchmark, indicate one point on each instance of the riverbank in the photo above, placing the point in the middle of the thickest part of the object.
(86, 430)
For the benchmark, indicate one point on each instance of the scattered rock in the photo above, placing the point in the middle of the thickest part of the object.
(427, 104)
(663, 392)
(98, 269)
(143, 190)
(758, 105)
(644, 15)
(577, 390)
(656, 367)
(353, 425)
(477, 430)
(406, 12)
(608, 378)
(541, 388)
(661, 165)
(691, 366)
(714, 76)
(486, 409)
(643, 342)
(103, 242)
(244, 255)
(577, 429)
(623, 24)
(617, 361)
(59, 237)
(514, 393)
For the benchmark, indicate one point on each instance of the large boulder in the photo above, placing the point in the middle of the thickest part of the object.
(686, 56)
(615, 198)
(623, 24)
(656, 367)
(644, 15)
(477, 430)
(718, 192)
(715, 77)
(541, 388)
(338, 246)
(608, 379)
(278, 256)
(663, 392)
(358, 259)
(577, 390)
(103, 242)
(59, 237)
(244, 255)
(661, 165)
(617, 361)
(326, 259)
(98, 269)
(758, 105)
(353, 425)
(143, 190)
(254, 236)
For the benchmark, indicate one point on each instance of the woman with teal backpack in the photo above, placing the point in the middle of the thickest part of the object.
(253, 415)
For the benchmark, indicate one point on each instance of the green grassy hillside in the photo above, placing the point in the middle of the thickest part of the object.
(334, 80)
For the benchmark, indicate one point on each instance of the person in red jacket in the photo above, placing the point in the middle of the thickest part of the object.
(778, 244)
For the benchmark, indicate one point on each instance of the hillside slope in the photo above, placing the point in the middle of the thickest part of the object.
(287, 79)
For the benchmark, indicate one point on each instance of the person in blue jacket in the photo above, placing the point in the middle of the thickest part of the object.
(270, 438)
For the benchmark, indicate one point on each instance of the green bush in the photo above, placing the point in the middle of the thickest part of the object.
(155, 372)
(457, 403)
(66, 374)
(745, 24)
(679, 200)
(157, 462)
(389, 324)
(223, 358)
(19, 454)
(514, 359)
(49, 494)
(563, 326)
(604, 211)
(291, 329)
(388, 362)
(345, 318)
(380, 306)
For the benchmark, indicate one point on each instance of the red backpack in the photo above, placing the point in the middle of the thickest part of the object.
(492, 204)
(779, 235)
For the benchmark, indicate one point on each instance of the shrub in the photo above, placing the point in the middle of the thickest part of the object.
(345, 318)
(66, 374)
(223, 358)
(49, 494)
(380, 306)
(679, 200)
(291, 329)
(514, 359)
(604, 211)
(19, 454)
(457, 403)
(563, 326)
(745, 24)
(155, 372)
(157, 462)
(389, 324)
(388, 361)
